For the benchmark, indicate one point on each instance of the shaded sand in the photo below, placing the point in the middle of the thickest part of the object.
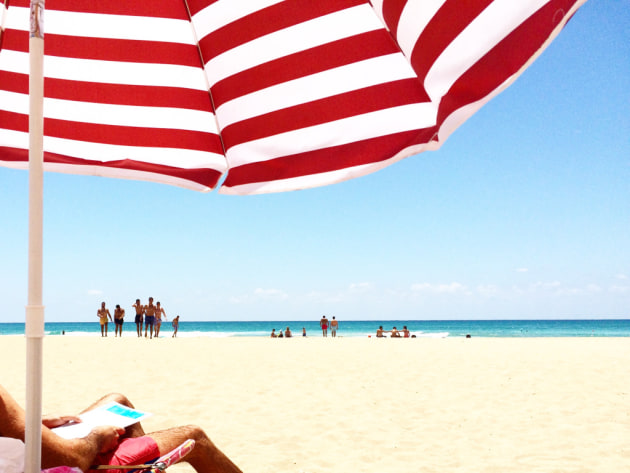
(362, 405)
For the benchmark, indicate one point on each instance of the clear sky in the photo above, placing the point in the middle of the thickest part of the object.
(523, 213)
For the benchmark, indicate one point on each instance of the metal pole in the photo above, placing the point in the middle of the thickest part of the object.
(34, 326)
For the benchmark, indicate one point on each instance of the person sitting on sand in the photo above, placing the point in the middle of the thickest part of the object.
(287, 333)
(406, 332)
(273, 333)
(380, 333)
(395, 333)
(109, 445)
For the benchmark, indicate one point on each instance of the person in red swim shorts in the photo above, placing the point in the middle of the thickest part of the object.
(324, 325)
(109, 445)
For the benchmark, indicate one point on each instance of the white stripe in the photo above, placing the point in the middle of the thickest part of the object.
(494, 24)
(377, 6)
(223, 12)
(128, 115)
(13, 61)
(111, 172)
(306, 35)
(96, 25)
(13, 139)
(125, 174)
(3, 16)
(18, 18)
(120, 115)
(338, 132)
(13, 102)
(413, 20)
(335, 81)
(110, 72)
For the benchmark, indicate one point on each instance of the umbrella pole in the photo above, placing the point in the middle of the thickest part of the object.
(34, 326)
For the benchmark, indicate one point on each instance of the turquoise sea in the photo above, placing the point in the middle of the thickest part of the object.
(359, 328)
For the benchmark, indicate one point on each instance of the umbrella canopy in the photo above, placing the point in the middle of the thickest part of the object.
(260, 95)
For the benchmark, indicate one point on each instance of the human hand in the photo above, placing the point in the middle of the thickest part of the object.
(57, 421)
(108, 436)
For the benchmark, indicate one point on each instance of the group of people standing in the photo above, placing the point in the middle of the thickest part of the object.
(149, 315)
(324, 323)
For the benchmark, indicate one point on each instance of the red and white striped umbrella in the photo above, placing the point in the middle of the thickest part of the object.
(264, 95)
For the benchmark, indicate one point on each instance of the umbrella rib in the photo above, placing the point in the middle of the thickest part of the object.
(203, 68)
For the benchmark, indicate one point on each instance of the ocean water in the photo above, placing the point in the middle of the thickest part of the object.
(358, 328)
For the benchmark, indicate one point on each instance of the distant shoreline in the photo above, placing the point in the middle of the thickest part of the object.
(539, 328)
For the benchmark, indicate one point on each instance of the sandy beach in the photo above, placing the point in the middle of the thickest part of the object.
(361, 404)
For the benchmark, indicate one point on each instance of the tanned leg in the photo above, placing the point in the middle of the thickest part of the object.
(204, 458)
(134, 430)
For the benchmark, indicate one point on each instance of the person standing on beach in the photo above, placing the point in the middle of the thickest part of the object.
(139, 316)
(102, 315)
(175, 326)
(149, 318)
(334, 324)
(324, 325)
(119, 316)
(159, 312)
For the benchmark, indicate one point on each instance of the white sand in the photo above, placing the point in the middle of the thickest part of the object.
(361, 405)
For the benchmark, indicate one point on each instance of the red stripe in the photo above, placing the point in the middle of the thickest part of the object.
(266, 21)
(328, 56)
(443, 28)
(370, 99)
(117, 94)
(15, 40)
(14, 82)
(322, 160)
(108, 49)
(392, 9)
(146, 96)
(152, 8)
(133, 136)
(122, 50)
(203, 176)
(504, 60)
(197, 5)
(13, 121)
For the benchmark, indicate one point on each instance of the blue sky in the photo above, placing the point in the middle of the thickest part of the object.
(523, 213)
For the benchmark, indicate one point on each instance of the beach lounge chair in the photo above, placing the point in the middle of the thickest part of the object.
(12, 459)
